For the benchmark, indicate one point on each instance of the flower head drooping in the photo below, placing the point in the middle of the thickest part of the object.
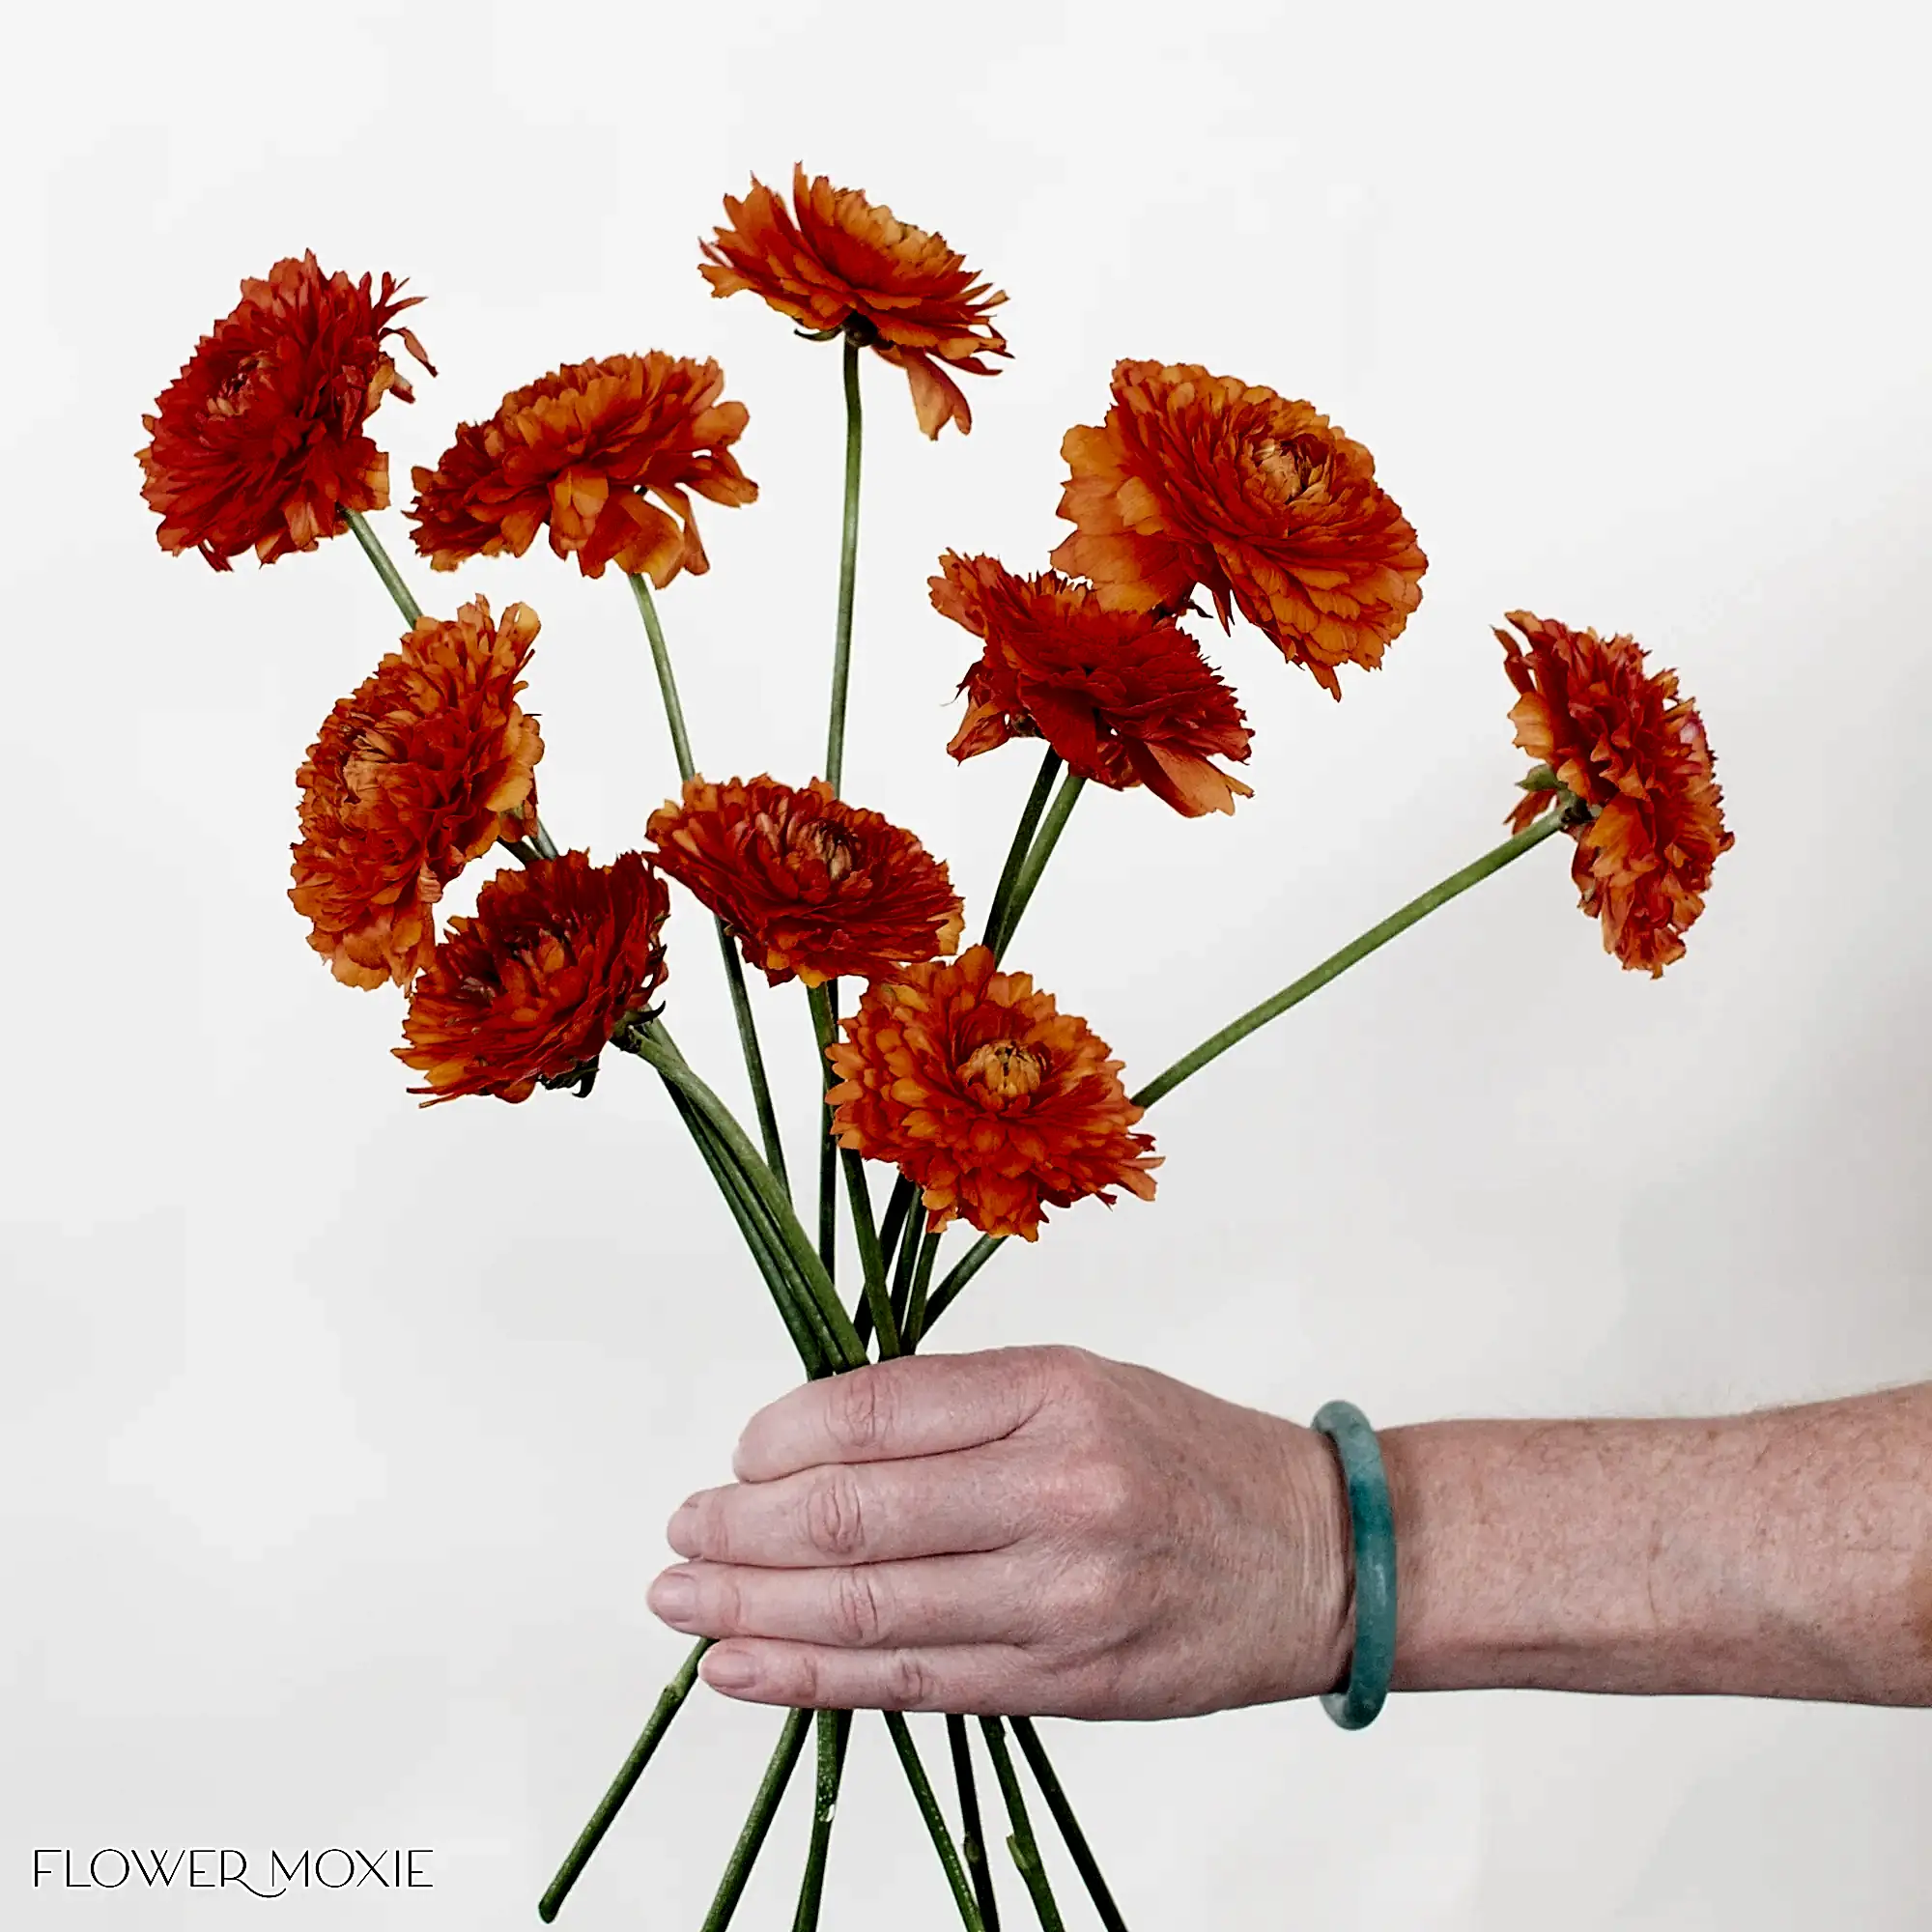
(814, 888)
(833, 261)
(1124, 697)
(1620, 739)
(1198, 479)
(258, 443)
(984, 1093)
(422, 768)
(531, 989)
(584, 450)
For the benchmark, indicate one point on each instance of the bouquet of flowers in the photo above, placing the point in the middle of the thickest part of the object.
(1194, 496)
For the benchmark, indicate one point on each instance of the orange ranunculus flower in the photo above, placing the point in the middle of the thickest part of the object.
(258, 443)
(1123, 696)
(531, 989)
(585, 450)
(833, 261)
(814, 887)
(989, 1096)
(1198, 479)
(1621, 740)
(422, 768)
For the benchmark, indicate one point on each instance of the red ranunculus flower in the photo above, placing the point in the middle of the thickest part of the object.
(1124, 697)
(531, 989)
(833, 261)
(982, 1092)
(1621, 740)
(258, 443)
(811, 886)
(421, 769)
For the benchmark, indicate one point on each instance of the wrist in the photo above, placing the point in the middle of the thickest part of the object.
(1316, 1572)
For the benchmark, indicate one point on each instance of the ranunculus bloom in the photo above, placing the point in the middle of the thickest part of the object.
(1124, 697)
(1621, 739)
(258, 443)
(584, 450)
(984, 1093)
(531, 989)
(833, 261)
(814, 888)
(1198, 479)
(422, 768)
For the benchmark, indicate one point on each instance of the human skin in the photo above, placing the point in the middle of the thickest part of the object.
(1046, 1531)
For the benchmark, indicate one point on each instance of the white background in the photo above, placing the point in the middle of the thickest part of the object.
(339, 1437)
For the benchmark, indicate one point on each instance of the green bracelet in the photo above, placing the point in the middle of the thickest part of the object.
(1373, 1524)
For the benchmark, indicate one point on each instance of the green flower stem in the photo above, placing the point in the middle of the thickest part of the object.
(751, 1838)
(1069, 1826)
(872, 1256)
(1338, 963)
(386, 569)
(915, 1311)
(734, 970)
(754, 1059)
(1041, 851)
(835, 1727)
(1026, 1853)
(891, 1227)
(972, 1839)
(669, 1705)
(935, 1821)
(1016, 852)
(897, 1207)
(902, 1273)
(825, 1029)
(680, 738)
(848, 573)
(850, 1352)
(794, 1306)
(871, 1259)
(541, 842)
(819, 1349)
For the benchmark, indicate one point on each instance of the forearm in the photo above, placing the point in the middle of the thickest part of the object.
(1781, 1555)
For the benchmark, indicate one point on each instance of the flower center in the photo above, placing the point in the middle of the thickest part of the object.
(1280, 464)
(831, 844)
(228, 399)
(1004, 1068)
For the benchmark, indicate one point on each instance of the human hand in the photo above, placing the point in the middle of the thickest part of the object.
(1025, 1530)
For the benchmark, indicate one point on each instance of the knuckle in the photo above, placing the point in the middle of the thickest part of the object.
(710, 1535)
(859, 1409)
(909, 1682)
(857, 1609)
(1077, 1385)
(834, 1520)
(1086, 1610)
(1092, 1499)
(1108, 1494)
(807, 1686)
(721, 1602)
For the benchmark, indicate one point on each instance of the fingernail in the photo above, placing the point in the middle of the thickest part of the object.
(729, 1671)
(674, 1596)
(680, 1522)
